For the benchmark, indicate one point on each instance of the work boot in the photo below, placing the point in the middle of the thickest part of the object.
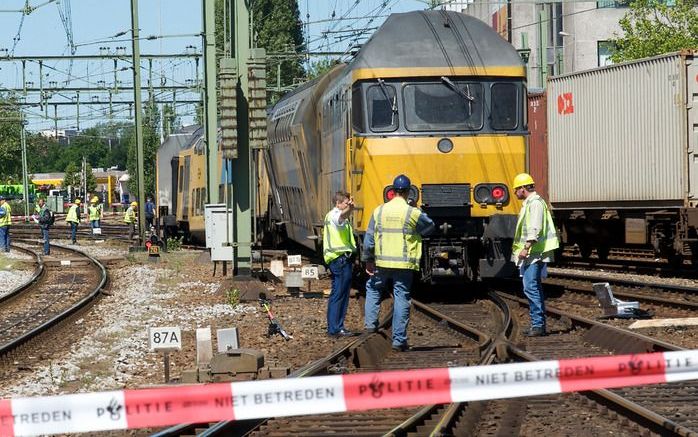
(534, 331)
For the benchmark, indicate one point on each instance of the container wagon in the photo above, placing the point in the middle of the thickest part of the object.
(622, 156)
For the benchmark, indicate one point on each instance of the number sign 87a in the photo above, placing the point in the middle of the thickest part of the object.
(164, 338)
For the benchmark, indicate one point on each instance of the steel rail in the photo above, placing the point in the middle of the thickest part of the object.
(6, 348)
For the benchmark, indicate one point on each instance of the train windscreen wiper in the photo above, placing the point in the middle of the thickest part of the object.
(465, 94)
(393, 101)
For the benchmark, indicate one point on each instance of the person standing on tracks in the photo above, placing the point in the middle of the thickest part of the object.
(73, 218)
(5, 223)
(149, 213)
(45, 220)
(338, 248)
(392, 250)
(130, 219)
(535, 241)
(95, 213)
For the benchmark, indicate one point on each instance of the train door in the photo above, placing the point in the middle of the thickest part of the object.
(185, 188)
(174, 166)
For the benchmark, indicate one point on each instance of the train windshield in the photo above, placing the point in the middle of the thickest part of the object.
(449, 105)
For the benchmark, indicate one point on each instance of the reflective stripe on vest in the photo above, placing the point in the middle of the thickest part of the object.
(6, 220)
(130, 216)
(336, 240)
(72, 214)
(94, 212)
(547, 238)
(398, 244)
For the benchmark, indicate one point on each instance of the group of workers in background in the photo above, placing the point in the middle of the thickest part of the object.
(45, 218)
(392, 250)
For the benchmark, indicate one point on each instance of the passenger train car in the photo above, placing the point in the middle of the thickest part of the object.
(436, 95)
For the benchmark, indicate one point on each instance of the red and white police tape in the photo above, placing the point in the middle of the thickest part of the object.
(127, 409)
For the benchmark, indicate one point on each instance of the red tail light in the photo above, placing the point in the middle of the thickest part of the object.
(498, 193)
(390, 194)
(491, 194)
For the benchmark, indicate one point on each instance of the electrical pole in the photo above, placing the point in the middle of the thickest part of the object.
(241, 165)
(25, 170)
(210, 103)
(138, 118)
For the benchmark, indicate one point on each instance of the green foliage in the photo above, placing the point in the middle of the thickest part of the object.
(278, 28)
(651, 28)
(10, 144)
(318, 68)
(72, 176)
(151, 143)
(103, 145)
(233, 297)
(174, 244)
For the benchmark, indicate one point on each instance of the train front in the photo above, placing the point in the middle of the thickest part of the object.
(444, 105)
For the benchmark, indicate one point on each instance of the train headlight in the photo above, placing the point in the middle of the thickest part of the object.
(412, 197)
(444, 145)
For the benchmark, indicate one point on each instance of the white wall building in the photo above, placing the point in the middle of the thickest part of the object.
(559, 37)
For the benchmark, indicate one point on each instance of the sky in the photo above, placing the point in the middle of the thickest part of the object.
(94, 25)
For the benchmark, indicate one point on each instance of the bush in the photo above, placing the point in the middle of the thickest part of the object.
(174, 244)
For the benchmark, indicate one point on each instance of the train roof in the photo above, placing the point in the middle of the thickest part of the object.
(435, 39)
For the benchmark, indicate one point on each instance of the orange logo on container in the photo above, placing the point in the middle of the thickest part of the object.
(564, 104)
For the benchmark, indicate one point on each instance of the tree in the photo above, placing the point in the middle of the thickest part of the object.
(91, 179)
(278, 28)
(10, 143)
(72, 176)
(170, 121)
(318, 68)
(652, 27)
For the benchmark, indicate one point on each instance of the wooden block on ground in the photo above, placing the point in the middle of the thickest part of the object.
(658, 323)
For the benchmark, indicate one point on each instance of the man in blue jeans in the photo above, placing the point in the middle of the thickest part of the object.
(392, 250)
(338, 246)
(534, 244)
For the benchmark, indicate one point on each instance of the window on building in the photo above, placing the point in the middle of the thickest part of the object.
(604, 50)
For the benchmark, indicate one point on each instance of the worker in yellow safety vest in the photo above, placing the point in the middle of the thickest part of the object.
(73, 218)
(338, 247)
(130, 219)
(535, 241)
(5, 222)
(95, 212)
(392, 251)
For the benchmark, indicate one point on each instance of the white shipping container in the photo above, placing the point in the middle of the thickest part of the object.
(625, 135)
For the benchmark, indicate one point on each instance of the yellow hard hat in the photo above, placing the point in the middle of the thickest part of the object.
(134, 204)
(94, 199)
(77, 201)
(523, 179)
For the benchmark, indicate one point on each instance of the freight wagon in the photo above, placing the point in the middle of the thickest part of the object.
(623, 156)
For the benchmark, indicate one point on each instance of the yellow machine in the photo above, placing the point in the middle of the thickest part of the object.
(435, 95)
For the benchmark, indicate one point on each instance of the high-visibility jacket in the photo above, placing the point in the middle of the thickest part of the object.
(73, 214)
(337, 240)
(95, 212)
(130, 215)
(547, 238)
(6, 219)
(398, 244)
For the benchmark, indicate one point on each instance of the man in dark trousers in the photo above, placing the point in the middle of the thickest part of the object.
(45, 220)
(338, 246)
(392, 250)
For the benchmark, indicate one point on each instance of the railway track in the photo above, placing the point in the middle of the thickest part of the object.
(52, 295)
(644, 409)
(437, 340)
(31, 230)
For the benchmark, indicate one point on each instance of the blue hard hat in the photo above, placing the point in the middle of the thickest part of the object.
(402, 183)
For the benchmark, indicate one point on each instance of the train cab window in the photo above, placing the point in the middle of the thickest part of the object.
(357, 109)
(504, 106)
(451, 106)
(382, 108)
